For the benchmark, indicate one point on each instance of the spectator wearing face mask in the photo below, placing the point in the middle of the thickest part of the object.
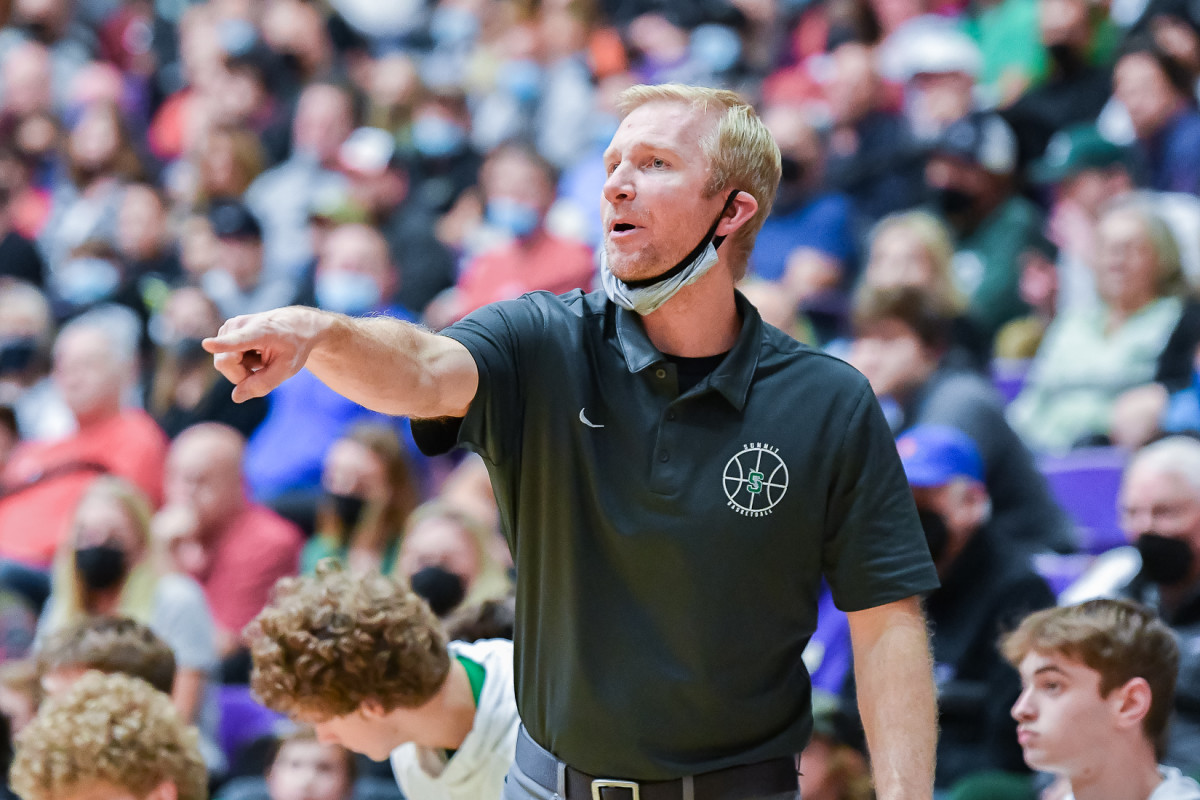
(519, 188)
(354, 276)
(370, 490)
(987, 586)
(380, 191)
(186, 388)
(106, 568)
(1160, 513)
(450, 558)
(1075, 34)
(969, 178)
(807, 243)
(239, 282)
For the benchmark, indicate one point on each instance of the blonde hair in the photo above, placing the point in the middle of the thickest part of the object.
(492, 581)
(740, 150)
(384, 444)
(137, 591)
(938, 245)
(1170, 279)
(114, 729)
(328, 643)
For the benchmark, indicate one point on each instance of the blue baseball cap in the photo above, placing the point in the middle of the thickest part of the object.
(934, 455)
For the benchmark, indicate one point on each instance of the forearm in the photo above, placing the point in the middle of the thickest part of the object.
(894, 676)
(187, 692)
(388, 365)
(380, 363)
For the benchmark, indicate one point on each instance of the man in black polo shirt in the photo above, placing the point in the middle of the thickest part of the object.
(674, 478)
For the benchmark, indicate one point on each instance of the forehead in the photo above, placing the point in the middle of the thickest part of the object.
(666, 124)
(1036, 661)
(1139, 66)
(308, 750)
(1147, 484)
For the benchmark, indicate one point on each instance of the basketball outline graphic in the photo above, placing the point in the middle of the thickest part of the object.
(755, 480)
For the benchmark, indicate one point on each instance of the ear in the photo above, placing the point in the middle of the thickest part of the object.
(1131, 702)
(164, 791)
(740, 211)
(372, 709)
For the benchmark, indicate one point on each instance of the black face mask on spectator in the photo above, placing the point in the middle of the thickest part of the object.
(17, 354)
(442, 589)
(1165, 560)
(953, 203)
(1065, 57)
(40, 32)
(101, 566)
(937, 535)
(793, 189)
(189, 350)
(348, 509)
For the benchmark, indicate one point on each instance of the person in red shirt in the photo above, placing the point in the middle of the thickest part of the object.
(519, 189)
(245, 547)
(95, 359)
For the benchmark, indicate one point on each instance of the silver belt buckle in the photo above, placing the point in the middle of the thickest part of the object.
(605, 783)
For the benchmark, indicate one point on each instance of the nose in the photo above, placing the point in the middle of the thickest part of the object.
(1022, 709)
(618, 186)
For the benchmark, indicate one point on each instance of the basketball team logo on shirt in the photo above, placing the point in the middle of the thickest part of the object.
(755, 479)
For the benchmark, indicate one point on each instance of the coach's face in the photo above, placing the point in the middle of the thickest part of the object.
(655, 206)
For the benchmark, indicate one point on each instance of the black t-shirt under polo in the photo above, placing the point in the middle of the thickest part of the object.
(669, 548)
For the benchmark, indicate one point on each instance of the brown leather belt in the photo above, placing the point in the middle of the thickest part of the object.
(745, 782)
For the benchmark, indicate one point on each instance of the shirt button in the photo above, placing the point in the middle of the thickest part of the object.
(670, 416)
(660, 373)
(664, 456)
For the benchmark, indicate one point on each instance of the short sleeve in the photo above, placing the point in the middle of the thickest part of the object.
(874, 551)
(504, 339)
(182, 619)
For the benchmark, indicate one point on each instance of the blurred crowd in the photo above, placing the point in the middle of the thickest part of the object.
(989, 207)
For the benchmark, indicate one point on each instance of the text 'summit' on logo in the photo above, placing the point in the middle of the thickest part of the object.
(755, 479)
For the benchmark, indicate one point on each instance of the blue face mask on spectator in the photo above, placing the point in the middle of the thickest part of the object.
(437, 137)
(517, 218)
(349, 293)
(83, 281)
(522, 79)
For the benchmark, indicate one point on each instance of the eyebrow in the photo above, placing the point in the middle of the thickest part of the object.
(656, 147)
(1048, 668)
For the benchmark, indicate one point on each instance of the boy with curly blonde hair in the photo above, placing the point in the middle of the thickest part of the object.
(109, 737)
(364, 661)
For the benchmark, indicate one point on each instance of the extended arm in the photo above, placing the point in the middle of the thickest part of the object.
(894, 676)
(384, 364)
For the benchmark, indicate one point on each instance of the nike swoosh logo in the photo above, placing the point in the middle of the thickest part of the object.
(583, 418)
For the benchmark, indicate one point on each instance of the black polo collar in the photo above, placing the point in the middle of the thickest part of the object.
(731, 378)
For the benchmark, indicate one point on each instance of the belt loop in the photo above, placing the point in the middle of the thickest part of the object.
(562, 779)
(689, 788)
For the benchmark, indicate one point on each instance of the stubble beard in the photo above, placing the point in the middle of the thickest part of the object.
(634, 266)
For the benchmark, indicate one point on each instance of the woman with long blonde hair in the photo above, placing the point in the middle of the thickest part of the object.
(107, 567)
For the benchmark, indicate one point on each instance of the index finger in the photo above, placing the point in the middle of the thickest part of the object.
(230, 342)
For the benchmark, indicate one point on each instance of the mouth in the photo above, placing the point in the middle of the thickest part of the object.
(1024, 735)
(622, 228)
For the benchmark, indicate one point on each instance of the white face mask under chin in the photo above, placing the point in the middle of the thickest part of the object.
(647, 299)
